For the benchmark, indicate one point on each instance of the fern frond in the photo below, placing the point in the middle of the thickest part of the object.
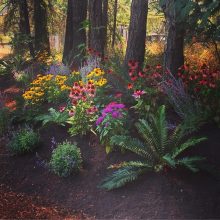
(134, 145)
(159, 129)
(189, 143)
(191, 162)
(128, 173)
(139, 164)
(147, 133)
(169, 160)
(175, 138)
(53, 116)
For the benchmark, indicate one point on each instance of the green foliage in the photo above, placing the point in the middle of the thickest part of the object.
(23, 141)
(53, 117)
(4, 120)
(11, 64)
(81, 122)
(158, 146)
(65, 159)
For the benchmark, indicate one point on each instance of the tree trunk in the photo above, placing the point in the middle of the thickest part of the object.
(174, 53)
(24, 24)
(105, 22)
(42, 42)
(98, 24)
(75, 36)
(115, 23)
(137, 32)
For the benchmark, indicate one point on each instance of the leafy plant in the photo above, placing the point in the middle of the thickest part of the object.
(23, 141)
(65, 159)
(110, 123)
(83, 116)
(159, 148)
(185, 106)
(58, 117)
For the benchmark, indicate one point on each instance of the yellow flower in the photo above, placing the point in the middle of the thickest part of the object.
(101, 82)
(75, 73)
(64, 87)
(39, 93)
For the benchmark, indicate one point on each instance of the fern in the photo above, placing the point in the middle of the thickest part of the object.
(158, 147)
(189, 143)
(128, 173)
(134, 145)
(54, 117)
(190, 162)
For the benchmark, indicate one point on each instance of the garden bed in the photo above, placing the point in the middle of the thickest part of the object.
(175, 195)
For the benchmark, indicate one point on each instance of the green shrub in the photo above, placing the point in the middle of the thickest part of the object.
(4, 120)
(23, 141)
(65, 159)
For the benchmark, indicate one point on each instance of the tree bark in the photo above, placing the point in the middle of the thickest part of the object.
(174, 52)
(42, 42)
(137, 32)
(105, 22)
(115, 23)
(98, 24)
(75, 35)
(24, 24)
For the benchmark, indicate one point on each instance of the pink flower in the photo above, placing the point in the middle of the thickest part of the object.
(138, 93)
(62, 108)
(71, 113)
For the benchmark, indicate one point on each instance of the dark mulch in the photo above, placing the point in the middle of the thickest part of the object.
(21, 206)
(174, 195)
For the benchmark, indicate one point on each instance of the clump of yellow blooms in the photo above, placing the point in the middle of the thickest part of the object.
(96, 77)
(43, 85)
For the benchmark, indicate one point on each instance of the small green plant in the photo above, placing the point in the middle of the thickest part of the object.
(58, 117)
(159, 147)
(83, 116)
(4, 120)
(23, 141)
(65, 159)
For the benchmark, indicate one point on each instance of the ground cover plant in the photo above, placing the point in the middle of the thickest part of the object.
(23, 141)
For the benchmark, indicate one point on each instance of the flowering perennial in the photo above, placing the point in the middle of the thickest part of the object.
(43, 85)
(113, 109)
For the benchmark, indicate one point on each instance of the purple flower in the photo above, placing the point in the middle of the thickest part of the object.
(107, 110)
(116, 114)
(99, 120)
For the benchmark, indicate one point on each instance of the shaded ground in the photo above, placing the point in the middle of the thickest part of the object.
(174, 195)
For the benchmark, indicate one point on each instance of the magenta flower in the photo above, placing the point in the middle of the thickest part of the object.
(99, 120)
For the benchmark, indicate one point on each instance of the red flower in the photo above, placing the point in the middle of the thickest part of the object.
(130, 72)
(141, 74)
(133, 64)
(130, 86)
(158, 66)
(133, 78)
